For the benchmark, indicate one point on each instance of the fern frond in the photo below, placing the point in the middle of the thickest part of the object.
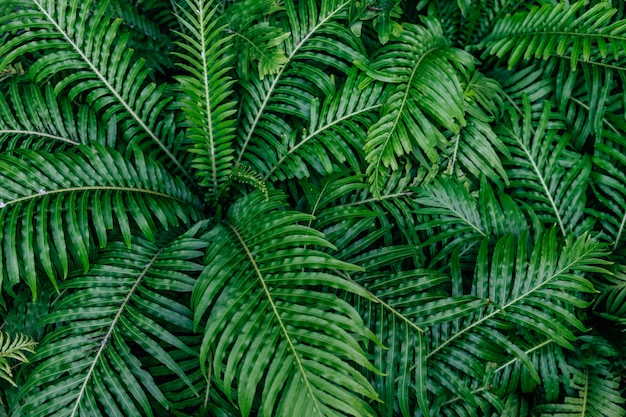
(528, 288)
(544, 173)
(256, 37)
(477, 149)
(427, 94)
(127, 306)
(267, 104)
(335, 133)
(55, 208)
(14, 348)
(609, 186)
(90, 51)
(274, 287)
(595, 391)
(454, 218)
(207, 102)
(245, 175)
(37, 119)
(561, 29)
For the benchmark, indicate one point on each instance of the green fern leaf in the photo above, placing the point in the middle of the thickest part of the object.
(273, 284)
(270, 105)
(526, 287)
(207, 57)
(55, 207)
(544, 173)
(35, 119)
(334, 135)
(562, 31)
(14, 348)
(426, 93)
(88, 47)
(127, 306)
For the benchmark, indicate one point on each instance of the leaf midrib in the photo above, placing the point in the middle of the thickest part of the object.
(507, 305)
(43, 193)
(107, 336)
(280, 73)
(109, 87)
(292, 347)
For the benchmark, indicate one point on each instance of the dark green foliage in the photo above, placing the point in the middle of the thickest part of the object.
(316, 208)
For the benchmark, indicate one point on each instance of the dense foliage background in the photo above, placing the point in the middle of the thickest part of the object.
(312, 208)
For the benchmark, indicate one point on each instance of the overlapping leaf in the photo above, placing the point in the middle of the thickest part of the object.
(207, 100)
(35, 118)
(426, 98)
(274, 338)
(55, 209)
(129, 305)
(91, 51)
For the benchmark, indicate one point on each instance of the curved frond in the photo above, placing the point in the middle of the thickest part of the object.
(207, 100)
(55, 208)
(90, 50)
(129, 305)
(531, 289)
(335, 133)
(453, 217)
(273, 338)
(256, 37)
(594, 391)
(609, 186)
(426, 96)
(573, 31)
(35, 118)
(544, 173)
(270, 105)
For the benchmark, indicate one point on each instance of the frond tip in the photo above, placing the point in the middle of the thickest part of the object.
(13, 348)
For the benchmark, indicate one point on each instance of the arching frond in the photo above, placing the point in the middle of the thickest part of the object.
(256, 38)
(207, 100)
(91, 51)
(426, 96)
(565, 30)
(56, 208)
(129, 305)
(274, 107)
(335, 133)
(594, 391)
(609, 186)
(453, 217)
(477, 150)
(289, 345)
(35, 118)
(147, 39)
(529, 289)
(544, 173)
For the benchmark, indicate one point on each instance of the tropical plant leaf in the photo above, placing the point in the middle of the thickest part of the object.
(274, 284)
(426, 94)
(55, 208)
(13, 348)
(560, 29)
(595, 391)
(335, 133)
(207, 100)
(127, 306)
(256, 38)
(526, 287)
(544, 173)
(35, 118)
(280, 101)
(101, 69)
